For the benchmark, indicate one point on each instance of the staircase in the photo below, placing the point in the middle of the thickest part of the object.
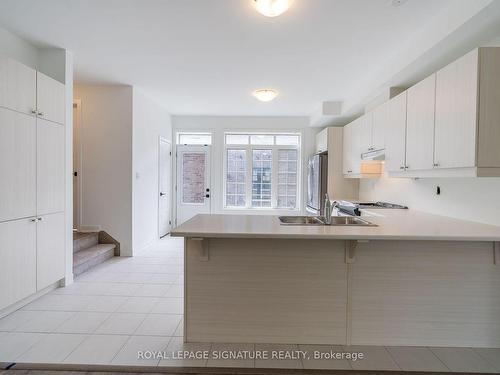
(88, 252)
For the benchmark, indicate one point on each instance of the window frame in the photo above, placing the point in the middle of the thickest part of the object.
(249, 148)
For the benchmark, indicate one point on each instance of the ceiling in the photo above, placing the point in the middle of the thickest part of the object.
(205, 57)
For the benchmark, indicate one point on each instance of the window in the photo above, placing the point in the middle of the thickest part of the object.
(236, 178)
(193, 177)
(287, 178)
(262, 171)
(194, 138)
(261, 177)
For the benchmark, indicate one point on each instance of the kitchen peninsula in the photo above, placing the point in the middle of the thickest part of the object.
(413, 279)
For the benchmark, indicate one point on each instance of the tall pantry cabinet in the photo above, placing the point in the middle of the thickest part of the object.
(32, 183)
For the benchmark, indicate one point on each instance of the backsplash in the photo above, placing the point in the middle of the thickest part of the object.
(474, 199)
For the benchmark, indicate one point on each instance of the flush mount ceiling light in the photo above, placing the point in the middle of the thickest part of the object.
(265, 95)
(272, 8)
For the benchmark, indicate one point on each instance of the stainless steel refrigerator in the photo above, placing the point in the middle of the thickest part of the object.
(317, 180)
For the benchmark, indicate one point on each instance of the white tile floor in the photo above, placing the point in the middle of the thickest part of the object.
(135, 304)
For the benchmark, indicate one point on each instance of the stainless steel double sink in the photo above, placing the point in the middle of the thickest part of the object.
(318, 220)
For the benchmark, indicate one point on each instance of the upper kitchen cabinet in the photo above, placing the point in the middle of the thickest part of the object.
(50, 99)
(353, 145)
(322, 141)
(17, 86)
(378, 118)
(394, 117)
(347, 150)
(420, 125)
(456, 113)
(460, 124)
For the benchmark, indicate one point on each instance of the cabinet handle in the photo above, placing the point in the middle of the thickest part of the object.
(40, 113)
(33, 220)
(33, 111)
(39, 219)
(402, 167)
(436, 164)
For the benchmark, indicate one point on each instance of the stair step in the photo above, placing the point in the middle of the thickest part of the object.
(82, 241)
(90, 257)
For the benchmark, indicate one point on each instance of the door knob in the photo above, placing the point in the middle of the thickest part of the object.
(207, 196)
(162, 194)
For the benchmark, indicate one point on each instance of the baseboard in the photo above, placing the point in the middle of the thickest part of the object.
(19, 304)
(68, 280)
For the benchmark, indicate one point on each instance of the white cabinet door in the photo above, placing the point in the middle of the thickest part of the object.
(395, 134)
(17, 260)
(322, 141)
(347, 150)
(364, 133)
(17, 86)
(420, 125)
(50, 167)
(50, 98)
(380, 118)
(17, 165)
(456, 113)
(51, 255)
(359, 143)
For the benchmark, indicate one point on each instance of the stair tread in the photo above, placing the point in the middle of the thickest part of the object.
(78, 235)
(85, 255)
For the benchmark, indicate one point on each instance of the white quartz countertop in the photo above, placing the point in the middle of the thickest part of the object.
(391, 225)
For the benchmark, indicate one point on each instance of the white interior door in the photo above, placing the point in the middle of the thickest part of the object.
(165, 183)
(193, 182)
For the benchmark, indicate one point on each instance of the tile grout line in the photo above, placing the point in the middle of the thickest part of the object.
(439, 359)
(485, 359)
(31, 346)
(392, 357)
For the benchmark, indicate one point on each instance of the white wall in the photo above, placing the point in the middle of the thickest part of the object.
(150, 120)
(475, 199)
(106, 141)
(220, 124)
(17, 48)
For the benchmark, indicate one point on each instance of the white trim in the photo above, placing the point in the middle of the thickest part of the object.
(79, 189)
(165, 140)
